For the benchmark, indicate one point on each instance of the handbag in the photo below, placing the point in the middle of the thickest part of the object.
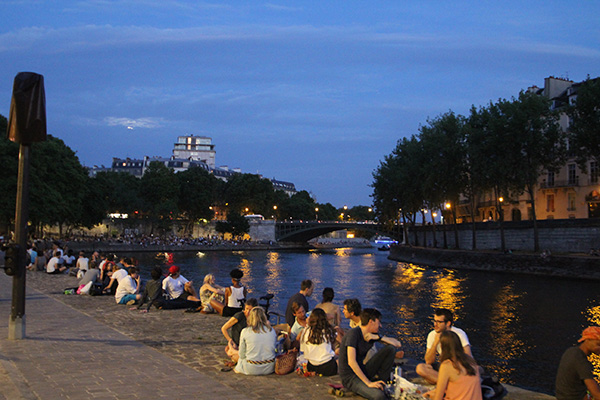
(286, 362)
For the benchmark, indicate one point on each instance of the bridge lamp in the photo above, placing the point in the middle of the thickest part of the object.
(317, 213)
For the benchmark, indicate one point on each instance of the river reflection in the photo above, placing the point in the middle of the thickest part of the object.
(518, 325)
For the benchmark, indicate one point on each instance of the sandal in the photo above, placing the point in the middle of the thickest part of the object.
(226, 369)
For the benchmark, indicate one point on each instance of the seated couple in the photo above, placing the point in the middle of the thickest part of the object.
(234, 295)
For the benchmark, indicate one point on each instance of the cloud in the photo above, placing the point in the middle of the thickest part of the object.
(132, 123)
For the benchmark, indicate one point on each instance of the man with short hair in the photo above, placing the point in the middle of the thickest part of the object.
(575, 375)
(442, 321)
(82, 264)
(306, 290)
(177, 287)
(236, 324)
(128, 290)
(352, 310)
(357, 375)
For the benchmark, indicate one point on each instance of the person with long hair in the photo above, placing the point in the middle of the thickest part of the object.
(316, 342)
(210, 291)
(257, 345)
(458, 377)
(334, 316)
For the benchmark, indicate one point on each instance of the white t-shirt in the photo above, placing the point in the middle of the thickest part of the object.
(126, 286)
(174, 286)
(119, 274)
(317, 354)
(464, 340)
(52, 265)
(83, 263)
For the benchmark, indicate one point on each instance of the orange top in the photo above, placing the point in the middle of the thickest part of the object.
(467, 387)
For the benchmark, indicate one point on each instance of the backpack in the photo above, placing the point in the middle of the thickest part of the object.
(491, 388)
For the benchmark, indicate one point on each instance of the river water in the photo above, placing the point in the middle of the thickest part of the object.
(518, 325)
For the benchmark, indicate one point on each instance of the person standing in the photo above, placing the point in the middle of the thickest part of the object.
(575, 377)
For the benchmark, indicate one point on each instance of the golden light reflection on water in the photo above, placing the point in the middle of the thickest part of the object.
(245, 265)
(273, 278)
(448, 293)
(408, 276)
(504, 332)
(593, 316)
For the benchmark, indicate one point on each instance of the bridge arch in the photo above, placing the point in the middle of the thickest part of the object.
(303, 231)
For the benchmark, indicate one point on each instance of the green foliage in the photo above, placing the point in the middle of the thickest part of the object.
(159, 191)
(584, 131)
(249, 191)
(197, 192)
(236, 224)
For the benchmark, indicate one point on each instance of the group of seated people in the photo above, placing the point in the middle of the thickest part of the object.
(363, 357)
(363, 365)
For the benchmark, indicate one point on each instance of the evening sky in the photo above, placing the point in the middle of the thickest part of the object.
(312, 92)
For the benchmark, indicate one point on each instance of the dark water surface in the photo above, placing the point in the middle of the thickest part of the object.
(518, 325)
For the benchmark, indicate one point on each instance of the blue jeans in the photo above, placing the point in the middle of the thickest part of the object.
(380, 366)
(128, 297)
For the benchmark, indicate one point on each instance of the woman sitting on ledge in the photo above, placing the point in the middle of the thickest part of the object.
(458, 378)
(257, 345)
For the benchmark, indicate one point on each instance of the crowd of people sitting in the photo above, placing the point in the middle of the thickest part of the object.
(363, 358)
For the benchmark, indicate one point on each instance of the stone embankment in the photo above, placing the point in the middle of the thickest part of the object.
(565, 266)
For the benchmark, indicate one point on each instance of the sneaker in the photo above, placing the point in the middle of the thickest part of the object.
(131, 302)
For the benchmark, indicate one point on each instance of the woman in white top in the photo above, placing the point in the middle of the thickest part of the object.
(316, 342)
(257, 345)
(235, 296)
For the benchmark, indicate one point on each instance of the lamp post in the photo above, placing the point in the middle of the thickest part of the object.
(316, 213)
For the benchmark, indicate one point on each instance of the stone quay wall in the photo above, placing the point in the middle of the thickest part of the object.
(583, 267)
(560, 236)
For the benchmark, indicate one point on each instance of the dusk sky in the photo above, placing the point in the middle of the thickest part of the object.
(311, 92)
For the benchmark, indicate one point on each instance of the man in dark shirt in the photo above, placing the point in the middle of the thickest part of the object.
(575, 375)
(153, 291)
(306, 290)
(236, 324)
(358, 376)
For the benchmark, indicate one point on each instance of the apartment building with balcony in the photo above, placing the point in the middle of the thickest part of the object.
(569, 193)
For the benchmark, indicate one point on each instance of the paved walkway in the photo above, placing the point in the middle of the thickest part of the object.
(80, 347)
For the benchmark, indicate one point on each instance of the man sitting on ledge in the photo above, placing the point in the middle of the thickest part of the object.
(442, 321)
(357, 375)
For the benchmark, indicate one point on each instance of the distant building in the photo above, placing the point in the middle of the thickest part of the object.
(189, 151)
(197, 148)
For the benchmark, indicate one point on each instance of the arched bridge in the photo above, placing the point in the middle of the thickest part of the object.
(303, 231)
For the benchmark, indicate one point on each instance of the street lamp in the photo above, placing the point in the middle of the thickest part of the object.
(317, 213)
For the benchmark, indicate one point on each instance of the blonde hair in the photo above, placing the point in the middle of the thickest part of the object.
(257, 320)
(209, 278)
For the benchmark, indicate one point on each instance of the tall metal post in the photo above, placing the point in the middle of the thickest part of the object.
(16, 323)
(26, 125)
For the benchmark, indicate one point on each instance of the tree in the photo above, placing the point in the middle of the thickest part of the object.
(159, 190)
(9, 155)
(445, 174)
(236, 224)
(327, 212)
(398, 183)
(249, 191)
(584, 131)
(299, 206)
(197, 193)
(539, 144)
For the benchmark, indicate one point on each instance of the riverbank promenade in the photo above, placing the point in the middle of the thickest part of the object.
(82, 347)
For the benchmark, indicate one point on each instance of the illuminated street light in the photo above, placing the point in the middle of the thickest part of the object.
(501, 199)
(448, 206)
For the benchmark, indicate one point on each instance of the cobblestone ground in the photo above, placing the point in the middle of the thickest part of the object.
(195, 340)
